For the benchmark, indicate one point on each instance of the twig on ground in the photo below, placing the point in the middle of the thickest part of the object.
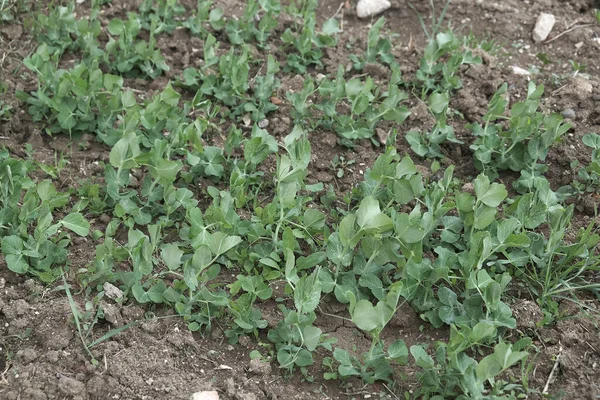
(553, 371)
(567, 31)
(338, 10)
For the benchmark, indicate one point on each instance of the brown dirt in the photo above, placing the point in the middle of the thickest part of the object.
(41, 355)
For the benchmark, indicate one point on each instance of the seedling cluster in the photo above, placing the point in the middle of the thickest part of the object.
(209, 213)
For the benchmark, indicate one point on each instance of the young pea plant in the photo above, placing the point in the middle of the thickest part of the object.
(374, 365)
(340, 165)
(588, 176)
(77, 100)
(128, 54)
(307, 45)
(378, 48)
(526, 141)
(427, 144)
(366, 103)
(203, 17)
(441, 62)
(160, 16)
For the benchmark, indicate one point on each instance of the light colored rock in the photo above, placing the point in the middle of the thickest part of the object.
(519, 71)
(112, 314)
(569, 113)
(205, 395)
(369, 8)
(543, 27)
(259, 367)
(111, 291)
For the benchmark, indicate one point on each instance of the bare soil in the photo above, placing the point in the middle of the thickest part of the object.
(41, 355)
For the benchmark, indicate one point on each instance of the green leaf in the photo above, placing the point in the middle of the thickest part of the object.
(311, 335)
(12, 245)
(171, 255)
(202, 258)
(438, 102)
(170, 96)
(407, 232)
(124, 152)
(506, 228)
(481, 331)
(398, 352)
(112, 81)
(12, 248)
(591, 140)
(502, 358)
(369, 216)
(331, 26)
(116, 26)
(336, 252)
(422, 359)
(304, 358)
(17, 263)
(405, 167)
(313, 219)
(345, 368)
(490, 195)
(128, 99)
(220, 243)
(484, 216)
(364, 316)
(77, 223)
(308, 293)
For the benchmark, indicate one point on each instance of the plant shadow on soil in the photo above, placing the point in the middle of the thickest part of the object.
(41, 356)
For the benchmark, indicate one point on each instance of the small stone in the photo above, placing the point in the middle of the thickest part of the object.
(246, 120)
(519, 71)
(543, 27)
(259, 367)
(276, 100)
(205, 395)
(382, 135)
(112, 314)
(569, 113)
(244, 341)
(469, 187)
(369, 8)
(263, 123)
(111, 291)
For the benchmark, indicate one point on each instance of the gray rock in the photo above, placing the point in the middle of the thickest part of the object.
(205, 395)
(543, 27)
(111, 291)
(112, 314)
(519, 71)
(369, 8)
(569, 113)
(259, 367)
